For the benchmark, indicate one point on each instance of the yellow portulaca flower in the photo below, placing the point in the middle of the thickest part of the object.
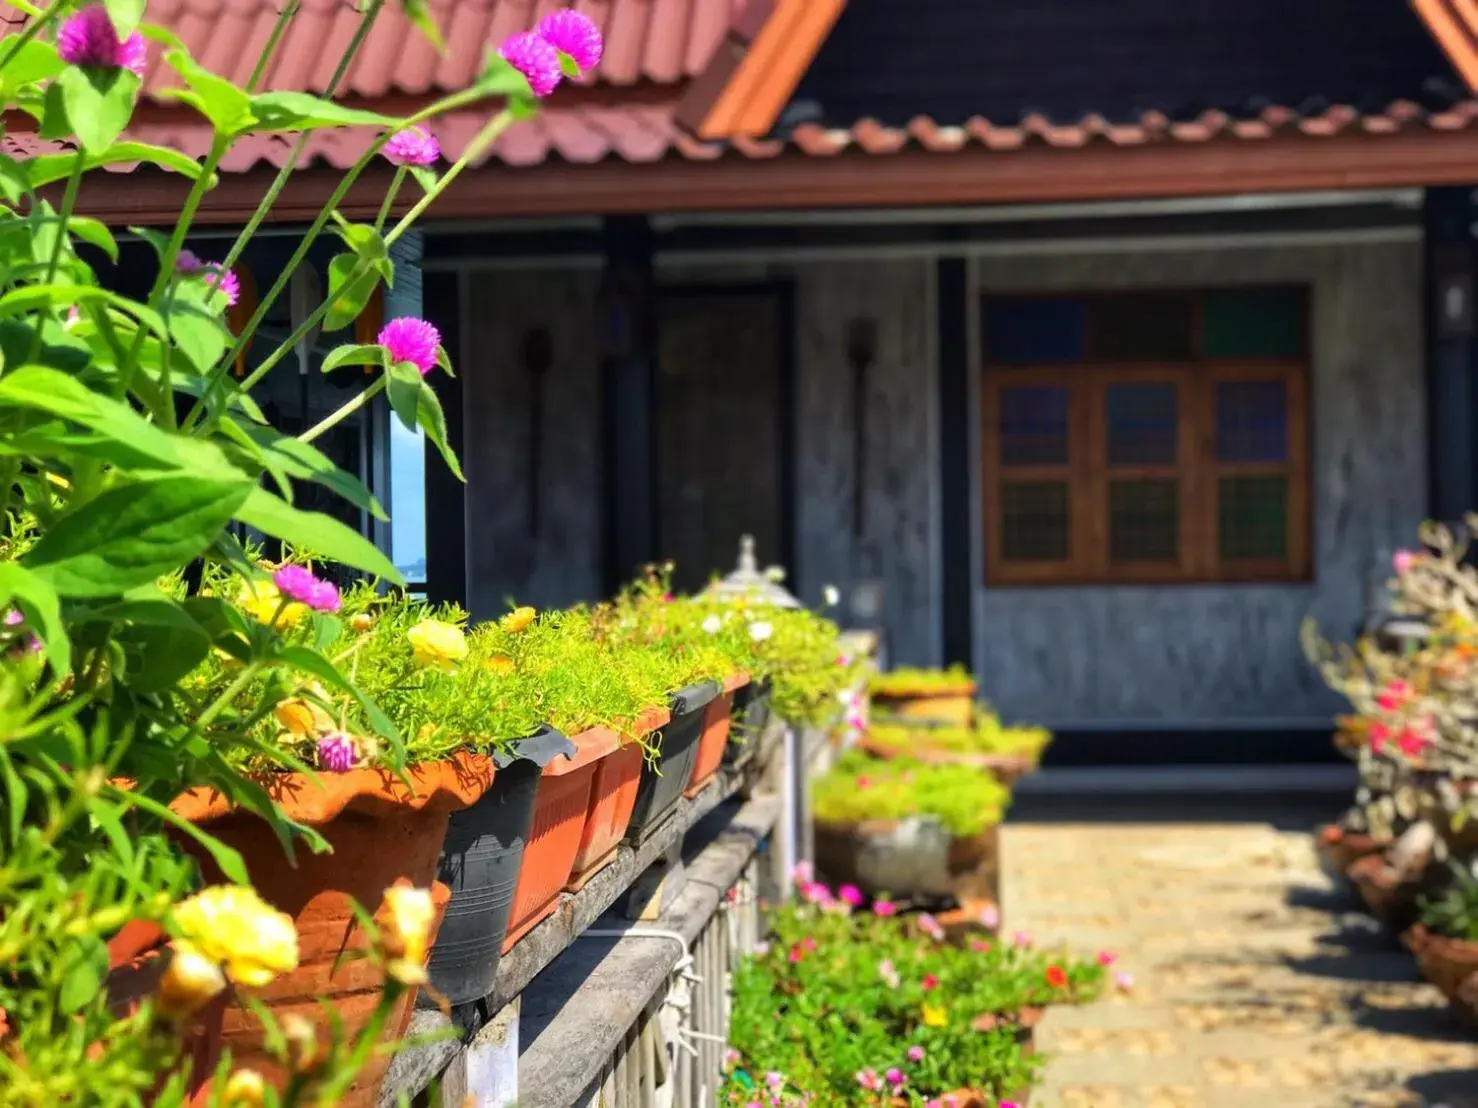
(437, 644)
(361, 622)
(517, 620)
(189, 982)
(234, 927)
(499, 665)
(245, 1089)
(934, 1017)
(405, 920)
(261, 599)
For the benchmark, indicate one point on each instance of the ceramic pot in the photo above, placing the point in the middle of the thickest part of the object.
(713, 740)
(380, 830)
(612, 798)
(1451, 965)
(662, 783)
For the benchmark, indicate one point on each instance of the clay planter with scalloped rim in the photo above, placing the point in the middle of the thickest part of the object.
(381, 830)
(1007, 768)
(953, 705)
(1340, 849)
(1451, 965)
(1390, 896)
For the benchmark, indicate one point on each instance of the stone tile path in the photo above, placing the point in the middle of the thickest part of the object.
(1255, 981)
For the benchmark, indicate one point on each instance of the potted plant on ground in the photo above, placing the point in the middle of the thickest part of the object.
(1009, 752)
(1445, 941)
(917, 829)
(942, 696)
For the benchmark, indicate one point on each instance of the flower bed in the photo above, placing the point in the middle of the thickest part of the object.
(867, 1007)
(1009, 752)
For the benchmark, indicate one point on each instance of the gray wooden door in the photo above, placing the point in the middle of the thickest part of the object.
(720, 441)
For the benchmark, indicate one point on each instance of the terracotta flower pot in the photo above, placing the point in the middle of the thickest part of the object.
(612, 798)
(714, 738)
(1390, 896)
(1451, 965)
(1340, 849)
(381, 830)
(954, 705)
(560, 809)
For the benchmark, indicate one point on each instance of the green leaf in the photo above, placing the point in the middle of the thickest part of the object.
(425, 176)
(126, 15)
(228, 108)
(226, 859)
(367, 242)
(55, 167)
(42, 608)
(99, 103)
(444, 361)
(196, 325)
(164, 641)
(96, 233)
(368, 353)
(315, 532)
(347, 293)
(404, 389)
(310, 661)
(30, 298)
(301, 111)
(419, 13)
(15, 178)
(306, 462)
(568, 65)
(31, 61)
(498, 78)
(83, 977)
(134, 534)
(433, 422)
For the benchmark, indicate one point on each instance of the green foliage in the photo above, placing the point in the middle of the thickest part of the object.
(1454, 911)
(987, 736)
(908, 681)
(965, 800)
(838, 996)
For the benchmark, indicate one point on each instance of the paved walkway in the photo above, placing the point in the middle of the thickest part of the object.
(1255, 983)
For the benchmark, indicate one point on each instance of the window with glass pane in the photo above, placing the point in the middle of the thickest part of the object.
(1157, 436)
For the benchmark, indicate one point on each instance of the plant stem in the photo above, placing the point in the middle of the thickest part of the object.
(69, 201)
(279, 28)
(334, 418)
(390, 195)
(229, 693)
(479, 144)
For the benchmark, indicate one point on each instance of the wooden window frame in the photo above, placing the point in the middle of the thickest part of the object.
(1197, 468)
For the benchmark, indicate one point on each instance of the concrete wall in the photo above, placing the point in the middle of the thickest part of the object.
(1228, 655)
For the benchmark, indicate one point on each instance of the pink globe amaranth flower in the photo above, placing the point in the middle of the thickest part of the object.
(530, 54)
(224, 281)
(915, 1054)
(298, 583)
(850, 894)
(884, 908)
(414, 146)
(337, 752)
(187, 261)
(89, 39)
(1107, 957)
(575, 34)
(1007, 1104)
(895, 1076)
(413, 340)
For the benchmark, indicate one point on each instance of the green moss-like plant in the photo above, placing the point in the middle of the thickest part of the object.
(1454, 911)
(908, 681)
(964, 799)
(988, 736)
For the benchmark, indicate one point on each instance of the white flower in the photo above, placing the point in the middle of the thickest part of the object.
(831, 596)
(759, 631)
(712, 625)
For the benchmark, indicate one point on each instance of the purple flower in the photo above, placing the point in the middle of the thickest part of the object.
(337, 752)
(187, 261)
(851, 895)
(531, 55)
(413, 146)
(574, 34)
(14, 618)
(299, 583)
(884, 908)
(89, 39)
(225, 282)
(915, 1054)
(413, 340)
(894, 1076)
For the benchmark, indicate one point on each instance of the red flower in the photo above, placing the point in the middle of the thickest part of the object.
(1394, 696)
(1056, 977)
(930, 982)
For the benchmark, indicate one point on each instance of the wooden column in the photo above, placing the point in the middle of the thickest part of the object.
(446, 497)
(626, 323)
(1452, 350)
(956, 464)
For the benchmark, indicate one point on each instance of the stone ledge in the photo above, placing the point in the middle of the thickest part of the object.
(576, 1013)
(416, 1066)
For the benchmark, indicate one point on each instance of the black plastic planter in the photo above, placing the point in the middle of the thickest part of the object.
(751, 717)
(480, 860)
(662, 785)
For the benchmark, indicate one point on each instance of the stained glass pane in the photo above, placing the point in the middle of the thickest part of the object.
(1255, 323)
(1144, 521)
(1034, 425)
(1034, 521)
(1251, 421)
(1142, 424)
(1254, 518)
(1142, 328)
(1033, 331)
